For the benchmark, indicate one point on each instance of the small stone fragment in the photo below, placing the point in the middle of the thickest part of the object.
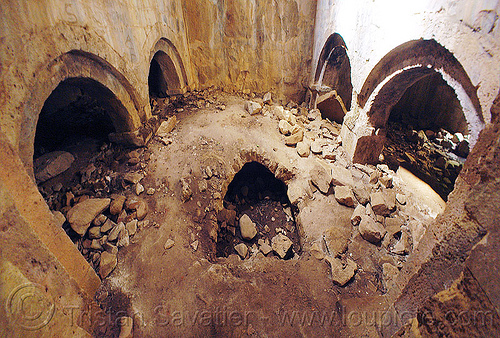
(117, 205)
(94, 232)
(341, 176)
(359, 212)
(168, 244)
(131, 227)
(166, 126)
(123, 238)
(344, 195)
(370, 230)
(294, 138)
(320, 177)
(83, 213)
(185, 190)
(252, 107)
(107, 264)
(341, 272)
(317, 252)
(247, 227)
(151, 191)
(303, 149)
(133, 178)
(401, 199)
(281, 245)
(113, 234)
(242, 250)
(194, 245)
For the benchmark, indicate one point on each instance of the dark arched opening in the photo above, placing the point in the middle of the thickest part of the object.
(163, 79)
(427, 133)
(333, 79)
(78, 108)
(258, 194)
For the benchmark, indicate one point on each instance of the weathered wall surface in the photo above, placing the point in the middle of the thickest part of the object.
(371, 30)
(116, 40)
(252, 45)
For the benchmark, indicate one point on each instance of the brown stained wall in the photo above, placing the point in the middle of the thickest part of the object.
(252, 45)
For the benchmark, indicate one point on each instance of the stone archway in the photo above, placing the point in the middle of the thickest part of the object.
(127, 114)
(167, 75)
(403, 67)
(332, 80)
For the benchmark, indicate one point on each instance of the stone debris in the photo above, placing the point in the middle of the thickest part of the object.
(150, 191)
(281, 245)
(264, 246)
(317, 252)
(342, 271)
(168, 244)
(402, 247)
(361, 193)
(337, 238)
(317, 146)
(59, 218)
(139, 189)
(133, 178)
(401, 199)
(345, 196)
(247, 228)
(294, 138)
(320, 177)
(115, 232)
(185, 190)
(370, 230)
(341, 176)
(303, 149)
(241, 249)
(252, 107)
(107, 264)
(94, 232)
(126, 327)
(131, 227)
(116, 205)
(167, 126)
(267, 99)
(194, 245)
(359, 212)
(83, 213)
(383, 202)
(284, 127)
(52, 164)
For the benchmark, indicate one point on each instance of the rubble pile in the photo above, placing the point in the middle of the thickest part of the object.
(435, 157)
(257, 218)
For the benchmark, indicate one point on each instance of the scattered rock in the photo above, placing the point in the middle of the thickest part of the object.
(393, 225)
(370, 230)
(281, 245)
(303, 149)
(337, 238)
(264, 246)
(457, 137)
(167, 126)
(100, 220)
(168, 244)
(185, 190)
(317, 146)
(342, 272)
(317, 252)
(341, 176)
(83, 213)
(321, 178)
(247, 227)
(194, 245)
(116, 205)
(131, 227)
(390, 272)
(252, 107)
(361, 193)
(383, 202)
(94, 232)
(267, 98)
(202, 185)
(133, 178)
(359, 212)
(107, 264)
(344, 195)
(284, 127)
(401, 199)
(151, 191)
(107, 226)
(139, 189)
(52, 164)
(462, 149)
(123, 238)
(112, 249)
(242, 250)
(115, 232)
(386, 181)
(294, 138)
(402, 247)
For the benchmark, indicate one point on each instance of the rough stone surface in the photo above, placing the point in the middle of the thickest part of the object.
(303, 149)
(247, 227)
(370, 230)
(116, 205)
(169, 244)
(383, 202)
(281, 245)
(361, 193)
(242, 250)
(294, 138)
(342, 272)
(166, 126)
(337, 238)
(359, 212)
(52, 164)
(83, 213)
(344, 195)
(253, 107)
(284, 127)
(321, 177)
(107, 264)
(341, 176)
